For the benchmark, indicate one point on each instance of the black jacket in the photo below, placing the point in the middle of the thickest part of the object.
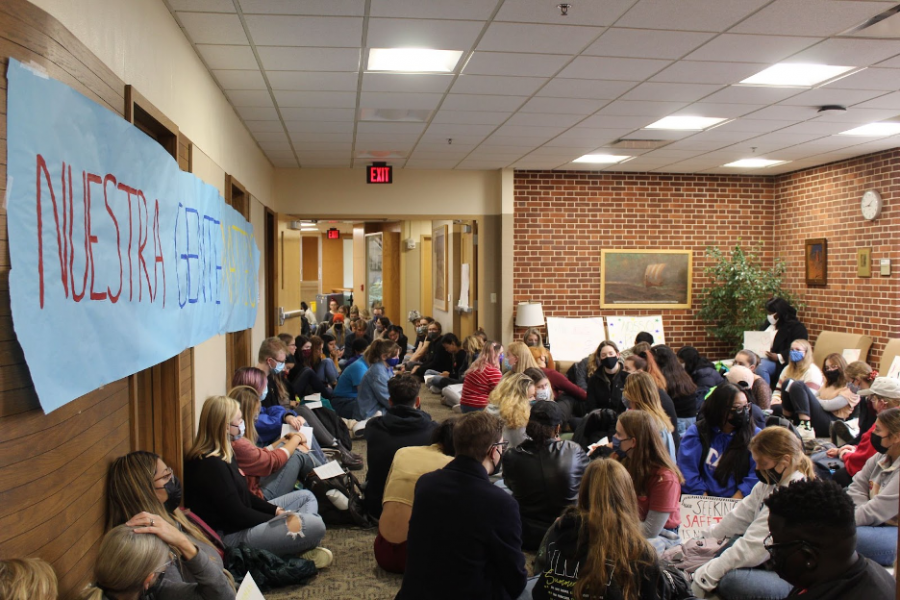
(544, 480)
(605, 391)
(401, 426)
(667, 405)
(561, 559)
(865, 579)
(785, 334)
(706, 378)
(454, 364)
(215, 490)
(465, 538)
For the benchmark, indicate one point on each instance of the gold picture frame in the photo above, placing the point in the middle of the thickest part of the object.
(816, 260)
(646, 278)
(440, 281)
(863, 262)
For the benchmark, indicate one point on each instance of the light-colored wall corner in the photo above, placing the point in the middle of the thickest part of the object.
(489, 277)
(209, 371)
(258, 220)
(143, 45)
(507, 255)
(411, 271)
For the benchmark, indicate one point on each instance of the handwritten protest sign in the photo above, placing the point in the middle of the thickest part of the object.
(702, 512)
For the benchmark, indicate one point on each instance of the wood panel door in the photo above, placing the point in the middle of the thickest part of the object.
(332, 265)
(426, 302)
(238, 351)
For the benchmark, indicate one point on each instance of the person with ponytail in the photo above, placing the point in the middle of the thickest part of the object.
(859, 377)
(875, 491)
(511, 400)
(834, 401)
(641, 393)
(136, 561)
(736, 573)
(596, 549)
(715, 456)
(372, 396)
(218, 492)
(481, 378)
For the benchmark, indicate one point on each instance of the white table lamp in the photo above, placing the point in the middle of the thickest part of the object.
(529, 314)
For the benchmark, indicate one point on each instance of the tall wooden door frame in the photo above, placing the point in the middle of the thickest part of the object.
(238, 352)
(426, 300)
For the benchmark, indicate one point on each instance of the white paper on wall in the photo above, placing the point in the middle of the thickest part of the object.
(463, 286)
(622, 330)
(574, 339)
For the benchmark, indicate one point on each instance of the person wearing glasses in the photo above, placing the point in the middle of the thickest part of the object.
(760, 391)
(465, 534)
(813, 545)
(736, 573)
(136, 559)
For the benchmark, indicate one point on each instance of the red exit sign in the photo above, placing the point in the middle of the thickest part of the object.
(334, 234)
(379, 174)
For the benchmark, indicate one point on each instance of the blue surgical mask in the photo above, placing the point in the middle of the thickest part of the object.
(500, 358)
(797, 355)
(506, 365)
(265, 393)
(617, 448)
(393, 362)
(279, 367)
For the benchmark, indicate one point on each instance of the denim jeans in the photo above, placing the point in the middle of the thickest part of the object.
(753, 584)
(877, 543)
(274, 534)
(684, 424)
(344, 407)
(467, 409)
(529, 587)
(766, 369)
(282, 481)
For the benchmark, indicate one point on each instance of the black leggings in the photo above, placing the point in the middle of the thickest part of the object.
(801, 400)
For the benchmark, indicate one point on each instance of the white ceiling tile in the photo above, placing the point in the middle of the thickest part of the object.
(484, 84)
(213, 28)
(468, 117)
(726, 136)
(752, 125)
(567, 153)
(601, 121)
(573, 106)
(458, 9)
(284, 146)
(658, 134)
(281, 58)
(313, 81)
(390, 128)
(682, 92)
(872, 78)
(430, 145)
(592, 137)
(669, 154)
(249, 98)
(856, 53)
(318, 114)
(753, 94)
(443, 156)
(452, 129)
(289, 99)
(549, 119)
(859, 115)
(240, 80)
(284, 30)
(808, 17)
(345, 127)
(398, 100)
(422, 163)
(477, 164)
(708, 72)
(477, 102)
(635, 108)
(320, 142)
(816, 126)
(888, 101)
(406, 82)
(508, 63)
(509, 143)
(221, 6)
(251, 113)
(828, 95)
(893, 63)
(436, 34)
(343, 8)
(284, 163)
(646, 43)
(695, 143)
(509, 153)
(263, 126)
(623, 69)
(227, 57)
(586, 13)
(396, 140)
(538, 162)
(271, 136)
(541, 39)
(528, 131)
(559, 87)
(730, 47)
(697, 15)
(784, 113)
(432, 140)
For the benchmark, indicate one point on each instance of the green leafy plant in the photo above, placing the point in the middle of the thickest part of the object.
(735, 301)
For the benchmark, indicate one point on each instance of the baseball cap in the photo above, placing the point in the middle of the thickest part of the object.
(338, 318)
(884, 387)
(546, 412)
(740, 376)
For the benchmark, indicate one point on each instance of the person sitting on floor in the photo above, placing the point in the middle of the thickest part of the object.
(715, 456)
(534, 340)
(606, 380)
(760, 391)
(373, 397)
(747, 381)
(701, 370)
(481, 378)
(396, 335)
(813, 544)
(465, 534)
(543, 473)
(641, 393)
(403, 424)
(800, 369)
(818, 410)
(271, 416)
(347, 389)
(408, 465)
(563, 391)
(448, 366)
(512, 399)
(27, 579)
(680, 387)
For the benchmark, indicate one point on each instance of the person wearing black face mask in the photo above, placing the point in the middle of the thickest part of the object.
(606, 381)
(834, 401)
(812, 545)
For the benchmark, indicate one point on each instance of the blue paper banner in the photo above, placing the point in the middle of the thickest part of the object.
(119, 259)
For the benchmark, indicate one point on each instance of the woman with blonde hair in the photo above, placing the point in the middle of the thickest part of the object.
(27, 579)
(596, 549)
(800, 370)
(481, 378)
(218, 492)
(641, 393)
(518, 358)
(135, 559)
(512, 399)
(833, 402)
(534, 340)
(657, 481)
(736, 572)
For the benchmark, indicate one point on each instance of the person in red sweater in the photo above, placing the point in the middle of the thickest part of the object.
(481, 378)
(566, 393)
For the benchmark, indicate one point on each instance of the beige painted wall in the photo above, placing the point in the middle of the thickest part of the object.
(410, 270)
(506, 256)
(258, 220)
(141, 42)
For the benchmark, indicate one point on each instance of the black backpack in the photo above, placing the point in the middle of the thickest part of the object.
(355, 514)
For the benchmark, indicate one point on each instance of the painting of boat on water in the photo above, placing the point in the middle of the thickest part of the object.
(645, 278)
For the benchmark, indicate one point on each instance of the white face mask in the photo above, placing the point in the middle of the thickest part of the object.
(772, 319)
(542, 394)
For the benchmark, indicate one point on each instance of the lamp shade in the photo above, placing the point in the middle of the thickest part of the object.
(529, 314)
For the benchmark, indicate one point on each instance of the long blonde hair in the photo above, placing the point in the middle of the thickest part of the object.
(248, 398)
(610, 528)
(644, 395)
(649, 454)
(776, 443)
(511, 396)
(798, 370)
(125, 560)
(27, 579)
(212, 435)
(524, 359)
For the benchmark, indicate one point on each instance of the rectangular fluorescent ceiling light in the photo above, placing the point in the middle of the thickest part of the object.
(754, 163)
(686, 123)
(796, 75)
(601, 159)
(874, 130)
(413, 60)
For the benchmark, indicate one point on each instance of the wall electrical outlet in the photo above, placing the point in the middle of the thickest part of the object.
(493, 298)
(885, 267)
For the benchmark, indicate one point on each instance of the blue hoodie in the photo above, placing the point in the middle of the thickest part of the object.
(700, 478)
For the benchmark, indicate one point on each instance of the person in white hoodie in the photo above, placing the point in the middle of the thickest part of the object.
(734, 574)
(875, 491)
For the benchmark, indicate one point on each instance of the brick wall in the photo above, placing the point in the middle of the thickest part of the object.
(563, 219)
(824, 202)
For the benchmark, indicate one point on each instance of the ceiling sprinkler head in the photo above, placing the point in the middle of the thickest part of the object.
(832, 108)
(564, 9)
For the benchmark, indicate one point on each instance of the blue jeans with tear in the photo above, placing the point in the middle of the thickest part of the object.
(275, 536)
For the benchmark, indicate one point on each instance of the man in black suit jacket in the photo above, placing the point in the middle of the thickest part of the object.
(465, 534)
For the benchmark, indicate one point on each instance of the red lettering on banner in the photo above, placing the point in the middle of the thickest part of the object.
(130, 192)
(92, 239)
(142, 243)
(158, 259)
(84, 201)
(60, 244)
(113, 297)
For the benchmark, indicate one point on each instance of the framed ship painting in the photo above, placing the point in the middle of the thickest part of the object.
(645, 278)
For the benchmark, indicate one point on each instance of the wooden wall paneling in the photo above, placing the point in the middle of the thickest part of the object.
(309, 255)
(332, 265)
(391, 276)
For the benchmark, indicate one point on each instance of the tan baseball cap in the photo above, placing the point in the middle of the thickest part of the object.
(883, 387)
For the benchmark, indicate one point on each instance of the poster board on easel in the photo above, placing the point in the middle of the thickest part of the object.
(622, 330)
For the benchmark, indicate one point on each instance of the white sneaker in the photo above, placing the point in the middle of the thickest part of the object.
(806, 430)
(321, 557)
(359, 428)
(457, 409)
